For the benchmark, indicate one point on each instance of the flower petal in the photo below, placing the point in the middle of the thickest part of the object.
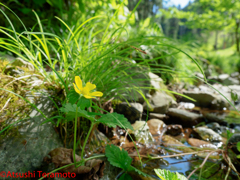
(97, 93)
(76, 89)
(88, 97)
(78, 82)
(90, 86)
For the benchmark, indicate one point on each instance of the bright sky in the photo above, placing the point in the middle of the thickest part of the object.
(182, 3)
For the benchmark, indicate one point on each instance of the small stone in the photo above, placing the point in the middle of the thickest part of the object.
(185, 118)
(159, 103)
(156, 116)
(208, 134)
(169, 141)
(201, 144)
(174, 130)
(155, 126)
(132, 112)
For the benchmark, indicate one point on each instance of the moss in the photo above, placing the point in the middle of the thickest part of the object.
(12, 106)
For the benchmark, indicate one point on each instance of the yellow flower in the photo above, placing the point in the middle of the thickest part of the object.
(86, 91)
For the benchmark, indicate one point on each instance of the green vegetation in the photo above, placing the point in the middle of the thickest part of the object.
(113, 45)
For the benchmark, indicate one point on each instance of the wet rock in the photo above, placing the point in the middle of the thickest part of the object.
(159, 103)
(201, 144)
(169, 141)
(174, 130)
(183, 117)
(233, 142)
(132, 112)
(155, 126)
(235, 127)
(214, 126)
(208, 134)
(141, 132)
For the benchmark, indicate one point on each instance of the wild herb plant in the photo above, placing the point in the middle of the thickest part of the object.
(107, 63)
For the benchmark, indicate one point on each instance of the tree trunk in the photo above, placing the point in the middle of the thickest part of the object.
(237, 35)
(216, 40)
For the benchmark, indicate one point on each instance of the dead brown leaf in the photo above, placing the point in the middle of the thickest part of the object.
(92, 170)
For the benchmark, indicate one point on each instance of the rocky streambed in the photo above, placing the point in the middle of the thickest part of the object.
(175, 132)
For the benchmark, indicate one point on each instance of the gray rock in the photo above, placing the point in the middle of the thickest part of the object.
(235, 89)
(235, 75)
(234, 140)
(231, 81)
(132, 112)
(183, 117)
(208, 134)
(207, 97)
(215, 117)
(26, 152)
(223, 77)
(212, 79)
(159, 103)
(155, 80)
(156, 116)
(213, 126)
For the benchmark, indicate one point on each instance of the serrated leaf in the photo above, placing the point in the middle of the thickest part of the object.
(115, 119)
(70, 110)
(238, 146)
(131, 168)
(164, 174)
(125, 176)
(84, 103)
(117, 157)
(72, 96)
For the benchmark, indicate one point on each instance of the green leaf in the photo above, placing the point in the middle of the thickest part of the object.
(229, 134)
(72, 96)
(115, 119)
(84, 103)
(81, 6)
(125, 176)
(70, 110)
(131, 168)
(117, 157)
(238, 156)
(234, 96)
(238, 146)
(26, 10)
(164, 174)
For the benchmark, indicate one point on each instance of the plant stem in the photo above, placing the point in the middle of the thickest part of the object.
(86, 139)
(94, 157)
(75, 137)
